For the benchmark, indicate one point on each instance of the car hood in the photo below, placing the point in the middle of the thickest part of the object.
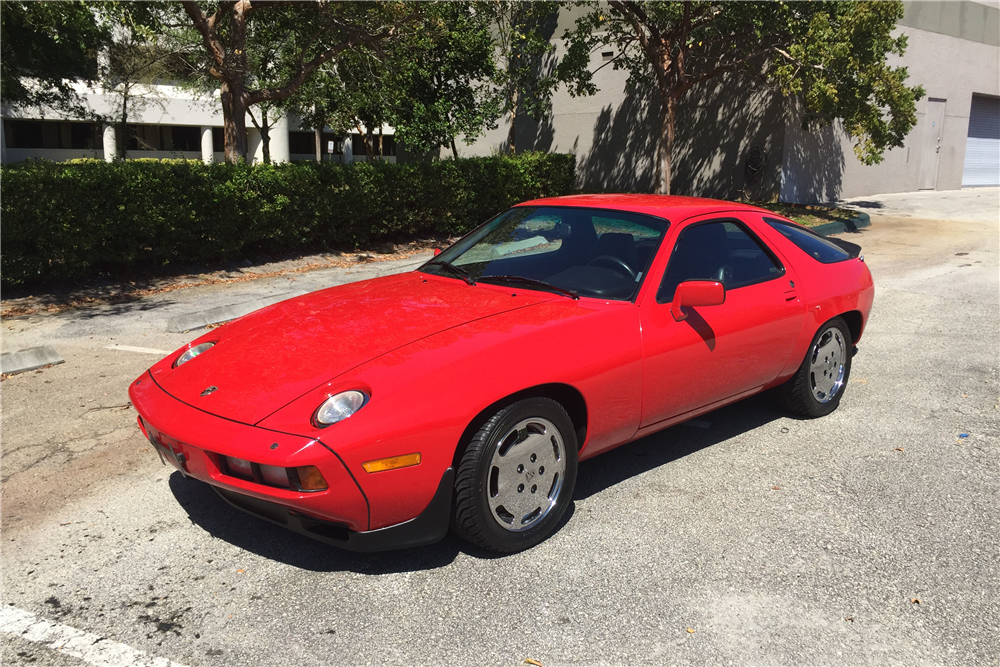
(267, 359)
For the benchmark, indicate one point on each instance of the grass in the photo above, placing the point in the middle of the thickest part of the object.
(810, 216)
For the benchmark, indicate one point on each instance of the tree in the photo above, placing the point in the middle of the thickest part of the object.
(442, 79)
(322, 32)
(44, 48)
(830, 54)
(142, 51)
(521, 46)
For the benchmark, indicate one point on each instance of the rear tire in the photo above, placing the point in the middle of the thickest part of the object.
(818, 385)
(516, 478)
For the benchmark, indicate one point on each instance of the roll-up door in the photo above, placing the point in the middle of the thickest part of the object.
(982, 148)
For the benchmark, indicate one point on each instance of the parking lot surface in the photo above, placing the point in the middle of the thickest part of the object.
(868, 537)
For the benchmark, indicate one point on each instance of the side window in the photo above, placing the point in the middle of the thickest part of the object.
(811, 243)
(724, 251)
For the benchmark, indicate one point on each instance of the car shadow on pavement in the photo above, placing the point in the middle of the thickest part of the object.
(206, 509)
(676, 442)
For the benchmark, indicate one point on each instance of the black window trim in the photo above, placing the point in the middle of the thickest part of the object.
(753, 237)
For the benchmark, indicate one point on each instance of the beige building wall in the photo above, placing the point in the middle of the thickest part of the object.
(950, 68)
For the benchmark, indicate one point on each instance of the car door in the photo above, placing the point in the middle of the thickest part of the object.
(718, 351)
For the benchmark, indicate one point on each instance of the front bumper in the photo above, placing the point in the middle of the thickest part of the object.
(193, 441)
(429, 527)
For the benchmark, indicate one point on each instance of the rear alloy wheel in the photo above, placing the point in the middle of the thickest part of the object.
(516, 478)
(817, 387)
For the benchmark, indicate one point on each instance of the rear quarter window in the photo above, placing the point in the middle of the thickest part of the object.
(814, 245)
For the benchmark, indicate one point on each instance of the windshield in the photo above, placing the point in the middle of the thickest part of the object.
(586, 251)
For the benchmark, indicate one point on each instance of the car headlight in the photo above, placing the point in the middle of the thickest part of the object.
(192, 353)
(339, 407)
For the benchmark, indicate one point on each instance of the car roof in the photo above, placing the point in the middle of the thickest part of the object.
(670, 207)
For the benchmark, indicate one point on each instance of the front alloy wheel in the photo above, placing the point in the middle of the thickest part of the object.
(516, 478)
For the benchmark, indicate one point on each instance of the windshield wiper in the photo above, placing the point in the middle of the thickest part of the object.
(457, 270)
(521, 280)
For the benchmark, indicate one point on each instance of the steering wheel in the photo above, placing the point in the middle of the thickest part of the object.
(613, 263)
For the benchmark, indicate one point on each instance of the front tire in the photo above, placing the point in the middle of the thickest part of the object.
(818, 385)
(516, 478)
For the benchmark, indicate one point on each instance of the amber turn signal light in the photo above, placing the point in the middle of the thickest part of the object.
(393, 462)
(311, 479)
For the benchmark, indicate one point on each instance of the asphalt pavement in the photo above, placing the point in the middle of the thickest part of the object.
(868, 537)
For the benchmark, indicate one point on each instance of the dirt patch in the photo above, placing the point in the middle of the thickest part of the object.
(58, 300)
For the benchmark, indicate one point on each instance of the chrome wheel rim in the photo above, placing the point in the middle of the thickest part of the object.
(827, 362)
(526, 474)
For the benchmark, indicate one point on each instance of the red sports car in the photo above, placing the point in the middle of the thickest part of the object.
(377, 414)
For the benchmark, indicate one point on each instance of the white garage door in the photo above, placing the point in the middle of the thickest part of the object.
(982, 150)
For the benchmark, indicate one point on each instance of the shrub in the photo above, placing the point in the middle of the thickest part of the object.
(74, 220)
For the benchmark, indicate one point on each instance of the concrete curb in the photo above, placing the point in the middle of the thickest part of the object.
(840, 226)
(192, 321)
(29, 359)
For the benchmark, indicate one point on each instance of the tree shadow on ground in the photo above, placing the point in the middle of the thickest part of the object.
(208, 511)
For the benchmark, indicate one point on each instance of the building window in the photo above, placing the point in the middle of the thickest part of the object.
(302, 143)
(169, 138)
(51, 134)
(186, 138)
(218, 139)
(388, 144)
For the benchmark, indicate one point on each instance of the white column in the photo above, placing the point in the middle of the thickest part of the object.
(255, 146)
(110, 143)
(207, 146)
(279, 140)
(348, 155)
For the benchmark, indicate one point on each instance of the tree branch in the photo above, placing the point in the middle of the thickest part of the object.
(660, 62)
(286, 91)
(797, 62)
(207, 29)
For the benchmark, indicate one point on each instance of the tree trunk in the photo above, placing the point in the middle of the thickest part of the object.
(512, 135)
(123, 129)
(234, 120)
(319, 144)
(234, 90)
(381, 154)
(454, 151)
(366, 140)
(265, 135)
(665, 145)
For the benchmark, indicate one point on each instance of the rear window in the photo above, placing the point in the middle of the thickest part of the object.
(814, 245)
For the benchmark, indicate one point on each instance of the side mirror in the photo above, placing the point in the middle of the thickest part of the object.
(696, 293)
(437, 251)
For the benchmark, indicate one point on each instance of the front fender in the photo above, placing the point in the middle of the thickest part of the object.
(424, 395)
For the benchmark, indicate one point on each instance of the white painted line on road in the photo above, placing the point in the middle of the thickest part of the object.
(92, 649)
(132, 348)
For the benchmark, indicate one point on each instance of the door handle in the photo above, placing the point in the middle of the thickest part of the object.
(791, 295)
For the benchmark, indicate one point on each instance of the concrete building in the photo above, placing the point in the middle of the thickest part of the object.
(736, 137)
(165, 122)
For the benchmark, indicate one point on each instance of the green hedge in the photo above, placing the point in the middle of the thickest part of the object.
(63, 220)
